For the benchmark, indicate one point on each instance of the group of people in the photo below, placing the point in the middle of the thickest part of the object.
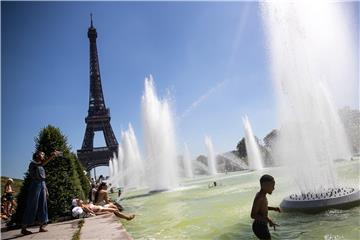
(36, 210)
(99, 203)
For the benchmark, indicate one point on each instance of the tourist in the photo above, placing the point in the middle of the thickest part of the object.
(213, 184)
(92, 192)
(260, 208)
(119, 192)
(102, 199)
(100, 179)
(92, 181)
(9, 194)
(36, 205)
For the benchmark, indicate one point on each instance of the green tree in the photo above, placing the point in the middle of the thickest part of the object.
(265, 154)
(271, 138)
(84, 179)
(65, 178)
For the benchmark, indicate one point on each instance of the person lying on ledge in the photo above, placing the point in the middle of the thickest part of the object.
(92, 209)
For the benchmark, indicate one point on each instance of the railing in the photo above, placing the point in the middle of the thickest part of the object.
(98, 149)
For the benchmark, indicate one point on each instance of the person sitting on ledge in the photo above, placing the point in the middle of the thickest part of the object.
(102, 199)
(260, 209)
(92, 192)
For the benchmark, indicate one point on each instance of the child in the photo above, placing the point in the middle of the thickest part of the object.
(260, 209)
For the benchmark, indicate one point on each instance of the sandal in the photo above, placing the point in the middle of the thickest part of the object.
(43, 230)
(25, 232)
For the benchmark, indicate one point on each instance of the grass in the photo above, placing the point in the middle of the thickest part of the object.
(16, 184)
(76, 235)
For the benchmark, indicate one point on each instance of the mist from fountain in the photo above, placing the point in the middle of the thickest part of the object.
(115, 170)
(159, 139)
(188, 169)
(211, 156)
(235, 160)
(201, 166)
(309, 50)
(133, 165)
(115, 173)
(252, 147)
(111, 169)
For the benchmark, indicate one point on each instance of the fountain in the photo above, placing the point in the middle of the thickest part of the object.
(111, 168)
(309, 50)
(211, 157)
(115, 169)
(115, 161)
(159, 139)
(252, 148)
(133, 166)
(235, 160)
(187, 162)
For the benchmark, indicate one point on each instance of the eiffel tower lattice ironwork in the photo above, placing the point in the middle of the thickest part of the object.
(98, 118)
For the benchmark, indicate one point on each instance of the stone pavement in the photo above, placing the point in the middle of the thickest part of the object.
(105, 227)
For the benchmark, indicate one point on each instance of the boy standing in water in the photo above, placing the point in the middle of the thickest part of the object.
(260, 209)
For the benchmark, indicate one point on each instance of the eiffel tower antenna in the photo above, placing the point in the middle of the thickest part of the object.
(91, 20)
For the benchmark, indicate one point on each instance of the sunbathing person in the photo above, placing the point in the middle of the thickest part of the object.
(98, 210)
(102, 198)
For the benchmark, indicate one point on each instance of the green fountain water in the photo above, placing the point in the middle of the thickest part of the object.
(196, 211)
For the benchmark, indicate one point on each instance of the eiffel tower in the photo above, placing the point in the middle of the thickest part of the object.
(98, 118)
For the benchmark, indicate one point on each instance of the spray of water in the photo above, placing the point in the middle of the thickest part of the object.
(235, 160)
(159, 139)
(309, 50)
(133, 165)
(252, 147)
(187, 162)
(211, 156)
(115, 177)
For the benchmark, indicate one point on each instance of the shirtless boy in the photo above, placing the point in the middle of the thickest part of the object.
(260, 209)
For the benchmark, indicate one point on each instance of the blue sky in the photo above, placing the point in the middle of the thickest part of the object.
(208, 55)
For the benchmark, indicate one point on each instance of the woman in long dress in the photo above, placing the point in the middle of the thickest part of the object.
(36, 204)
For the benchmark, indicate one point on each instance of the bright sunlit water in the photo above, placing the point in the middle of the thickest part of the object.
(196, 211)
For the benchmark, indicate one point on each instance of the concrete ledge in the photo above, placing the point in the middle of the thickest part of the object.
(105, 226)
(58, 231)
